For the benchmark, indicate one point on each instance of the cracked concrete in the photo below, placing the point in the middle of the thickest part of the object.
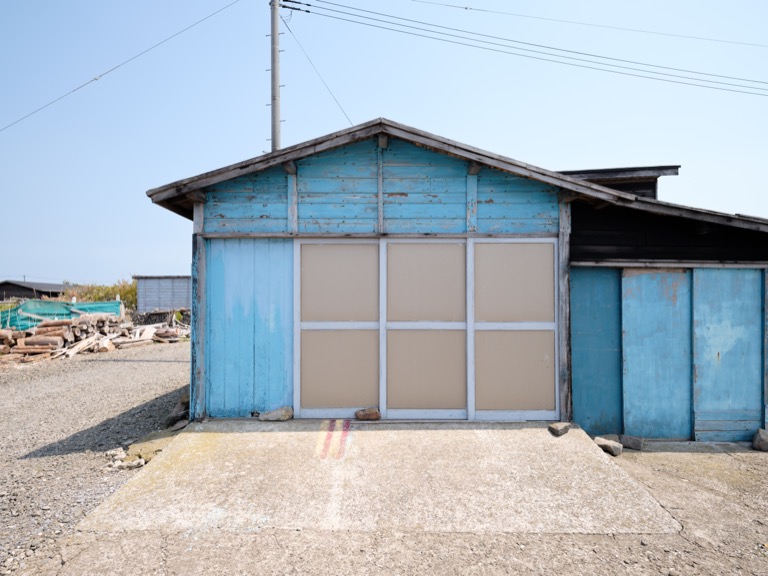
(696, 508)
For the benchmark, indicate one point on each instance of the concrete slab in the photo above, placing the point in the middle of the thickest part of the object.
(338, 476)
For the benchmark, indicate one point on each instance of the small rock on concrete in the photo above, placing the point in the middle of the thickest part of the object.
(559, 428)
(279, 415)
(179, 425)
(632, 442)
(760, 440)
(610, 446)
(368, 414)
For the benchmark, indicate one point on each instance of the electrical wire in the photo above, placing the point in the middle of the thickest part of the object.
(635, 30)
(316, 71)
(131, 59)
(544, 46)
(747, 89)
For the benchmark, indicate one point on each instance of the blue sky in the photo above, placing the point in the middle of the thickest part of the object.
(74, 176)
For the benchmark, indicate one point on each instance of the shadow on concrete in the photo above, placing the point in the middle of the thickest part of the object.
(113, 432)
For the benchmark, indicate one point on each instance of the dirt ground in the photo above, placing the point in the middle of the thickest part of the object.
(57, 422)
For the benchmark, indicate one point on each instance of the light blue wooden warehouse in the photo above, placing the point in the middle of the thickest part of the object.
(385, 266)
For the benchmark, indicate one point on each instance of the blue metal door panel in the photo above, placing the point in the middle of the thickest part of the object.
(596, 349)
(728, 353)
(657, 356)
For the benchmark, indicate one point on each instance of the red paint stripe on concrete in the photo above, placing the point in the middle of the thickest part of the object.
(344, 434)
(328, 438)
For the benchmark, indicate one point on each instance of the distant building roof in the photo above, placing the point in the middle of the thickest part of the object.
(37, 286)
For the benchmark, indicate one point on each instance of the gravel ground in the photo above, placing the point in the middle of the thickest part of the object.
(57, 420)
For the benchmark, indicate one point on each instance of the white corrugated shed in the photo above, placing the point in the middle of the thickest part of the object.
(163, 293)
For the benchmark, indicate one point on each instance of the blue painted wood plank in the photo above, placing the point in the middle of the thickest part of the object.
(423, 198)
(426, 226)
(342, 198)
(252, 210)
(596, 349)
(424, 211)
(423, 172)
(325, 211)
(246, 226)
(657, 355)
(250, 326)
(280, 340)
(517, 211)
(273, 196)
(721, 436)
(750, 426)
(517, 226)
(511, 196)
(336, 186)
(755, 414)
(338, 226)
(216, 329)
(423, 185)
(728, 348)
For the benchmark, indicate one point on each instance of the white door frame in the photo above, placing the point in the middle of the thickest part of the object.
(469, 326)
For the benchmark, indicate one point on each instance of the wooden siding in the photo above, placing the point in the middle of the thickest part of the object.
(361, 189)
(605, 232)
(249, 326)
(251, 204)
(510, 204)
(690, 346)
(596, 349)
(656, 326)
(728, 354)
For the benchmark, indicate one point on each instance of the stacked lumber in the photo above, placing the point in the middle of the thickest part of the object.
(86, 333)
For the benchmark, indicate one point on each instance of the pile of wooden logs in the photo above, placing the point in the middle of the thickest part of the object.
(86, 333)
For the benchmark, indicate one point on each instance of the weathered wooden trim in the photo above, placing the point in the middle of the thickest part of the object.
(471, 203)
(380, 189)
(293, 204)
(297, 412)
(470, 315)
(196, 196)
(290, 167)
(564, 313)
(620, 263)
(383, 141)
(383, 410)
(199, 312)
(331, 235)
(198, 221)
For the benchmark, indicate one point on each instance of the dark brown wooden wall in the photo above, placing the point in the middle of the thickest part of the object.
(613, 232)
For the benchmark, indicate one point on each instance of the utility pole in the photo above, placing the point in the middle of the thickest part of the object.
(274, 7)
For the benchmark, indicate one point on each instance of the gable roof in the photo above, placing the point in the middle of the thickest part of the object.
(180, 196)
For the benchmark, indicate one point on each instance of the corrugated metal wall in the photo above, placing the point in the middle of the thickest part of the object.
(691, 346)
(163, 293)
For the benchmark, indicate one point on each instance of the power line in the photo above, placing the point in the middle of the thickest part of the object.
(635, 30)
(316, 71)
(544, 46)
(131, 59)
(747, 89)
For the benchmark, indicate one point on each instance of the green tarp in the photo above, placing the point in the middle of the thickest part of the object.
(32, 312)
